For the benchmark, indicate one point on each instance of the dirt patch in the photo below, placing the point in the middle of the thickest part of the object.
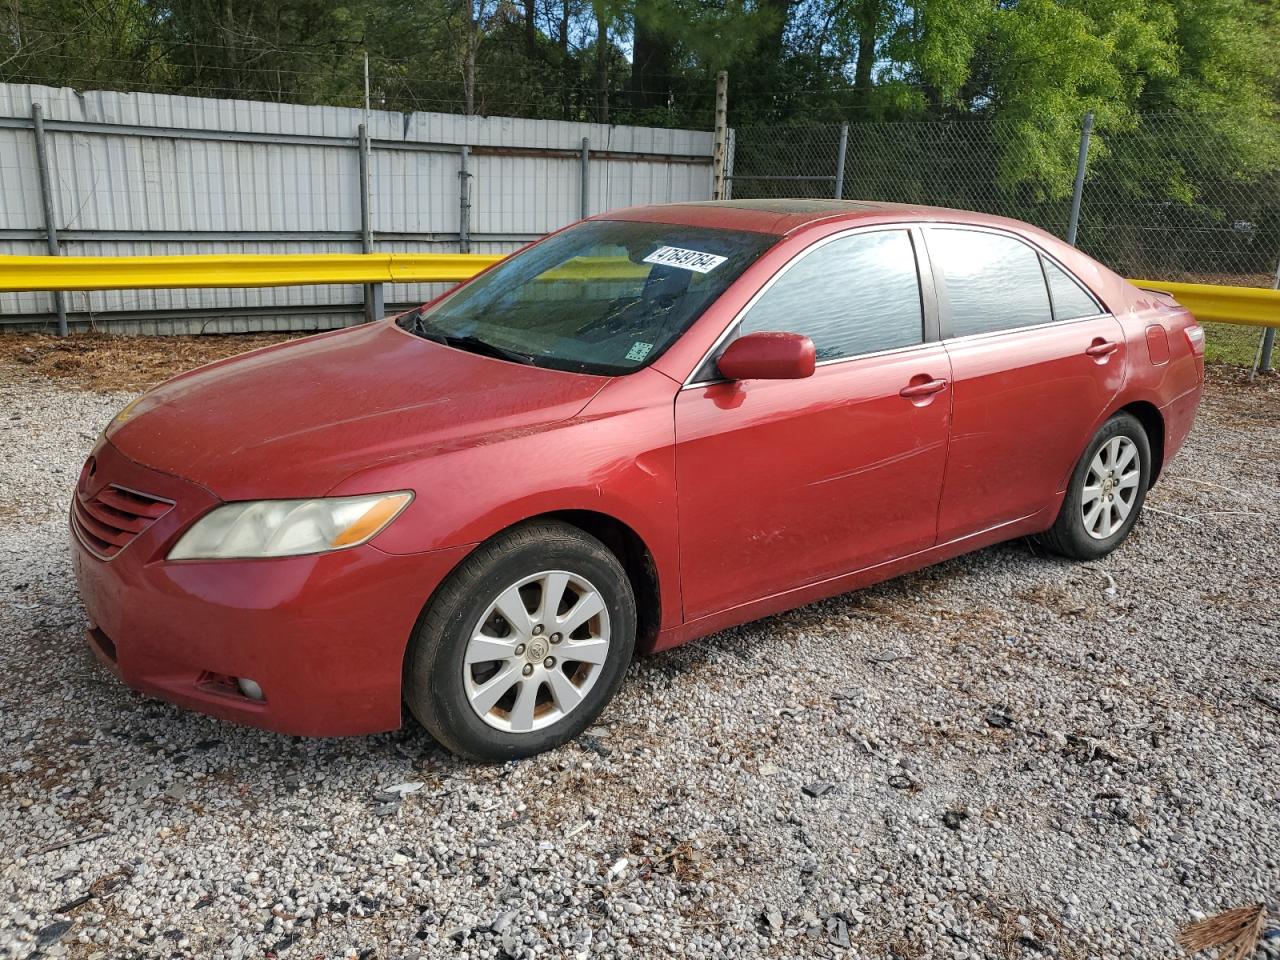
(1224, 279)
(106, 364)
(103, 363)
(1246, 401)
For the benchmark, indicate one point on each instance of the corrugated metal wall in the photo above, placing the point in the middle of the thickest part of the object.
(139, 173)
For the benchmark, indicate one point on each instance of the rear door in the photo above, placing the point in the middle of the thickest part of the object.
(1036, 361)
(787, 482)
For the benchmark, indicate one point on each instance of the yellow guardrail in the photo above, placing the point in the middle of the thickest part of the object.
(275, 270)
(236, 270)
(1254, 306)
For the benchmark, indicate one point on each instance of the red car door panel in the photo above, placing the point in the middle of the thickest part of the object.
(1025, 404)
(787, 482)
(1036, 362)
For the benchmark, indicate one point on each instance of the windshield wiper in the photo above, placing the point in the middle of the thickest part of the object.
(468, 342)
(474, 344)
(417, 327)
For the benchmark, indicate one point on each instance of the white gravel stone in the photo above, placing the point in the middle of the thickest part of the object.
(1133, 788)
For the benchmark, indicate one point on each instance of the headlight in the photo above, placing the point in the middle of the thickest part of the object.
(287, 528)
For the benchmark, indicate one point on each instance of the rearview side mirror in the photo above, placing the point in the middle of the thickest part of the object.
(768, 356)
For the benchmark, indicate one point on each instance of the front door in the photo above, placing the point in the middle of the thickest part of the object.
(789, 482)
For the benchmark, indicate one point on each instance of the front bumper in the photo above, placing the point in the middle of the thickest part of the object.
(323, 636)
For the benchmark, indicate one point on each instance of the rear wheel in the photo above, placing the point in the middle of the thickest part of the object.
(1106, 492)
(523, 645)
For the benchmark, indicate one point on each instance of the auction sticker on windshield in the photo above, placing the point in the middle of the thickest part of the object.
(694, 260)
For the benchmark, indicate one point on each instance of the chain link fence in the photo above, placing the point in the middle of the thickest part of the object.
(1167, 200)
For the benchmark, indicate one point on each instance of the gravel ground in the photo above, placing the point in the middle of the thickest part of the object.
(1007, 755)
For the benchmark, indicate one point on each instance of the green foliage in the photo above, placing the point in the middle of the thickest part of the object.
(1034, 65)
(1231, 343)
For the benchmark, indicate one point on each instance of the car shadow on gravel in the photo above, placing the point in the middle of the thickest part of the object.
(161, 730)
(161, 750)
(889, 603)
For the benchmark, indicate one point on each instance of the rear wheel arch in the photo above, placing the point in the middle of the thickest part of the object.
(1106, 490)
(1152, 420)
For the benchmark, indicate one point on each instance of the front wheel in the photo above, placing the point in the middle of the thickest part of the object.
(1106, 492)
(523, 645)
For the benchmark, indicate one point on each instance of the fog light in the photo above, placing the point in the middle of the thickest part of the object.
(249, 688)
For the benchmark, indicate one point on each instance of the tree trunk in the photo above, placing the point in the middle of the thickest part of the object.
(651, 59)
(531, 26)
(232, 73)
(13, 29)
(777, 13)
(469, 81)
(602, 65)
(566, 62)
(867, 16)
(471, 48)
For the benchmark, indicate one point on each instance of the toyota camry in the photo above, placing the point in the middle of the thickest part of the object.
(652, 425)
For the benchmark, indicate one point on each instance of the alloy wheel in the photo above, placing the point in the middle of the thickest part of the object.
(536, 652)
(1110, 487)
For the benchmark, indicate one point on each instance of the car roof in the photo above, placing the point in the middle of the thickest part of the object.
(784, 216)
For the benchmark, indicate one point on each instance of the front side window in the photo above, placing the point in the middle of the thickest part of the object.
(606, 296)
(1070, 301)
(854, 295)
(993, 282)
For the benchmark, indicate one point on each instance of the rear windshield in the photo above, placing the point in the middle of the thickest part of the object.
(606, 296)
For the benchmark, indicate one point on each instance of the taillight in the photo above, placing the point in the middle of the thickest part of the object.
(1195, 337)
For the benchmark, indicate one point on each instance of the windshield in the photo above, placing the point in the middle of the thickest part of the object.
(606, 296)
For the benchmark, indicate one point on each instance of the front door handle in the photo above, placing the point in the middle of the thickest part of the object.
(914, 391)
(1101, 348)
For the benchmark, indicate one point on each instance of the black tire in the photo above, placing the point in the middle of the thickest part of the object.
(434, 685)
(1069, 536)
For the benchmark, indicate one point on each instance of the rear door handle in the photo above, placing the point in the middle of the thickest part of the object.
(914, 391)
(1102, 348)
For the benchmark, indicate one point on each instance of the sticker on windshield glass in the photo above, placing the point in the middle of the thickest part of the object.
(639, 350)
(694, 260)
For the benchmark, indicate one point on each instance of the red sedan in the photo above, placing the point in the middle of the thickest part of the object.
(647, 427)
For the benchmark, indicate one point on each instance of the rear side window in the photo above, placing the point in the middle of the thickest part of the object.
(994, 282)
(855, 295)
(1070, 301)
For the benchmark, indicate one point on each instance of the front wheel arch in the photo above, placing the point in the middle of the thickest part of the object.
(636, 559)
(625, 544)
(447, 631)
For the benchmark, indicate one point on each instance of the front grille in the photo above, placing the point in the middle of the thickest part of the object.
(107, 522)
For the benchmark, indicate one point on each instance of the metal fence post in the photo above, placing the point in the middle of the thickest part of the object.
(373, 295)
(585, 166)
(464, 202)
(840, 152)
(46, 201)
(728, 164)
(721, 148)
(1078, 192)
(1269, 334)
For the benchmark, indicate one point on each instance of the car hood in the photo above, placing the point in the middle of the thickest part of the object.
(295, 419)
